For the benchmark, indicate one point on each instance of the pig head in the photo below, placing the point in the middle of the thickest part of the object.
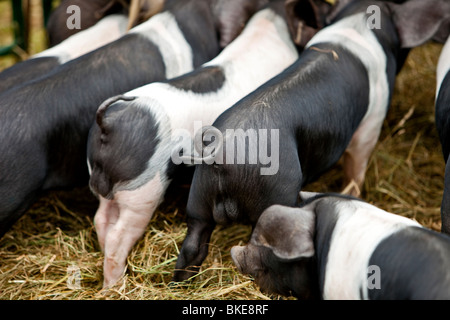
(280, 255)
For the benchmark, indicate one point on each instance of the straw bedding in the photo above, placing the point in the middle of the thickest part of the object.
(57, 234)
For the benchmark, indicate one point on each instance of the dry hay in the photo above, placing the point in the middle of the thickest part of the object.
(37, 254)
(405, 177)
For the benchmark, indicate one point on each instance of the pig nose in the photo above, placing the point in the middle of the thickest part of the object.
(237, 256)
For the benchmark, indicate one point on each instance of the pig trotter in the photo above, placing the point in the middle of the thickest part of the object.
(194, 250)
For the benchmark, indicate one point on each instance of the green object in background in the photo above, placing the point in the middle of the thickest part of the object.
(20, 17)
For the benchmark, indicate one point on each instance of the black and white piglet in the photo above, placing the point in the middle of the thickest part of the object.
(134, 148)
(90, 13)
(107, 30)
(234, 15)
(44, 125)
(337, 247)
(442, 116)
(331, 102)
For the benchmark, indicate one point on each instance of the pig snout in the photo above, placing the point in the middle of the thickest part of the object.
(237, 254)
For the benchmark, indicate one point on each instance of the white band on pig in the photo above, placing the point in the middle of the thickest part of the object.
(360, 227)
(353, 34)
(162, 29)
(107, 30)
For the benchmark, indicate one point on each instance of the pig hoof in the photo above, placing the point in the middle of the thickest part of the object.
(185, 274)
(352, 189)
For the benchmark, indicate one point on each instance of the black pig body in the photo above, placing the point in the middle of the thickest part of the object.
(337, 247)
(442, 115)
(330, 103)
(45, 124)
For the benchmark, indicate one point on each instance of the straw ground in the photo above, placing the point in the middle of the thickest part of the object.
(405, 177)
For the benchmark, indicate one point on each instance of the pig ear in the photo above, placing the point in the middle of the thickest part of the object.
(232, 15)
(418, 21)
(305, 18)
(288, 232)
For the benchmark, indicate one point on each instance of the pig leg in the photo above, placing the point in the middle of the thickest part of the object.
(353, 179)
(119, 240)
(194, 249)
(105, 217)
(134, 210)
(356, 156)
(20, 182)
(445, 206)
(21, 205)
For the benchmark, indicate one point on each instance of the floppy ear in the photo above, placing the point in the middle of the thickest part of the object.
(418, 21)
(305, 18)
(288, 232)
(232, 15)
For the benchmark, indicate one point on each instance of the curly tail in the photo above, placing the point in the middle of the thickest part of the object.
(211, 150)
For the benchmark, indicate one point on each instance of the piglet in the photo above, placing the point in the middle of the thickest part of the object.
(44, 125)
(442, 116)
(233, 16)
(141, 137)
(107, 30)
(338, 247)
(90, 12)
(330, 103)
